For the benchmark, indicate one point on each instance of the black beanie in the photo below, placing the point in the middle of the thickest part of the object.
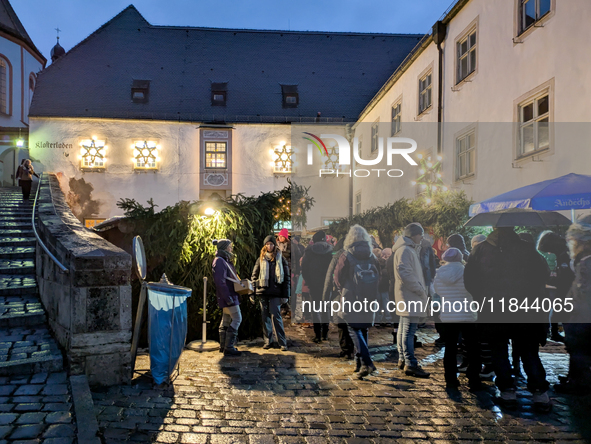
(319, 236)
(413, 229)
(222, 244)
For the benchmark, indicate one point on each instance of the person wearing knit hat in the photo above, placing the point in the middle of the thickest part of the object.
(457, 241)
(449, 285)
(224, 276)
(271, 279)
(479, 238)
(319, 236)
(284, 245)
(410, 293)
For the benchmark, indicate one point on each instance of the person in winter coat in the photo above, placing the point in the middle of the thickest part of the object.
(577, 326)
(224, 276)
(504, 266)
(284, 245)
(410, 293)
(449, 285)
(331, 293)
(315, 263)
(562, 276)
(457, 241)
(271, 279)
(358, 252)
(24, 174)
(383, 315)
(479, 238)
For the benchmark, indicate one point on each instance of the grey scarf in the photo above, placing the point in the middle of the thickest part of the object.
(264, 273)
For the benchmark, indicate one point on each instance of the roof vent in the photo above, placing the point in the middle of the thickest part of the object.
(140, 91)
(291, 98)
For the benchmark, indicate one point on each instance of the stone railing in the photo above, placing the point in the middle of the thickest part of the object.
(89, 308)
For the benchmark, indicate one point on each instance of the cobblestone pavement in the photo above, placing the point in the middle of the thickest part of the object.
(309, 395)
(36, 409)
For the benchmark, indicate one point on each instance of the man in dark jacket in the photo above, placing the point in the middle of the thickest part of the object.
(504, 266)
(457, 241)
(331, 293)
(315, 262)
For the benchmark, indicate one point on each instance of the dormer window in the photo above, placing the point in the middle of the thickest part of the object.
(291, 98)
(219, 94)
(140, 90)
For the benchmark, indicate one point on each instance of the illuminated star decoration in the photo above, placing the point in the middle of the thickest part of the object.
(93, 152)
(332, 162)
(429, 179)
(282, 158)
(145, 154)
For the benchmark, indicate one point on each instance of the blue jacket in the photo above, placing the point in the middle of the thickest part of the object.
(224, 287)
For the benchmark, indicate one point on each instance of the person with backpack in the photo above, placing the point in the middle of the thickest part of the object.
(271, 279)
(357, 278)
(411, 296)
(224, 276)
(315, 264)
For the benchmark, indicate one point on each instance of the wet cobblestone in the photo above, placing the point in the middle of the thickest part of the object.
(309, 395)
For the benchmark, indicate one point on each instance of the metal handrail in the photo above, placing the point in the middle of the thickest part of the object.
(52, 257)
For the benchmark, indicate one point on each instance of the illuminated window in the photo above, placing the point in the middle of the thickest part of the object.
(216, 154)
(282, 159)
(145, 155)
(92, 153)
(89, 223)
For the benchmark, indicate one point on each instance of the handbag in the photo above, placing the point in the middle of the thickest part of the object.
(241, 286)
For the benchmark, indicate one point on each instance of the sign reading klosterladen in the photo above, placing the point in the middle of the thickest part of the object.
(53, 145)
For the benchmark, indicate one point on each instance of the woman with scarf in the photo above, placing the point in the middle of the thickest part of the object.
(24, 174)
(271, 279)
(224, 276)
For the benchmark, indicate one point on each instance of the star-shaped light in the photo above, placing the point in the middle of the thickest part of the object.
(145, 154)
(282, 158)
(332, 162)
(429, 179)
(93, 153)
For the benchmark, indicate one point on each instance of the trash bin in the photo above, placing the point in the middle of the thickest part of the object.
(167, 327)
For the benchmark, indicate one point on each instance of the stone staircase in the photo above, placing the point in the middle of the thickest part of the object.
(26, 343)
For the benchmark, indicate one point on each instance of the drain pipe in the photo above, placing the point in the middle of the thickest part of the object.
(439, 32)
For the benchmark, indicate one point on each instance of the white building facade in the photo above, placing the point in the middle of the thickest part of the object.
(20, 63)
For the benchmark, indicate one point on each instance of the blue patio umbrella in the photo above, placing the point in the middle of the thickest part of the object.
(570, 192)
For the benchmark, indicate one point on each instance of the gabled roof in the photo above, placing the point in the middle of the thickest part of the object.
(336, 74)
(10, 24)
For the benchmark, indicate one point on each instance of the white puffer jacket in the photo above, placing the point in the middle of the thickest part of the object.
(449, 284)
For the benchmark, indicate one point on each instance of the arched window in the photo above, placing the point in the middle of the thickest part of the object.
(31, 87)
(5, 77)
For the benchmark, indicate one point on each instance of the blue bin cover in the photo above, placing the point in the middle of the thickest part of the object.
(167, 327)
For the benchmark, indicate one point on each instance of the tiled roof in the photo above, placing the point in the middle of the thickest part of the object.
(10, 24)
(336, 74)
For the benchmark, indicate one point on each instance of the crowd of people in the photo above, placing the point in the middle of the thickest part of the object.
(411, 273)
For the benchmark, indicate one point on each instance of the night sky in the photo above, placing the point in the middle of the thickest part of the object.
(77, 19)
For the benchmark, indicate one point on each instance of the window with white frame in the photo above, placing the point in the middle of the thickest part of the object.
(530, 11)
(93, 153)
(396, 117)
(466, 155)
(425, 92)
(534, 127)
(466, 52)
(358, 203)
(4, 85)
(216, 154)
(374, 136)
(145, 155)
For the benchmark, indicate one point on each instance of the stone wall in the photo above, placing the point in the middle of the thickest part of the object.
(89, 308)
